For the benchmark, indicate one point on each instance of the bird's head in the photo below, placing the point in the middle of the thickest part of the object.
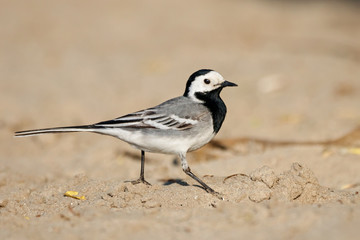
(203, 82)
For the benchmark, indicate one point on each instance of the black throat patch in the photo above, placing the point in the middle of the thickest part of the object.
(215, 105)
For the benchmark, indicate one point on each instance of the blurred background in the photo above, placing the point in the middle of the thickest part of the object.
(297, 64)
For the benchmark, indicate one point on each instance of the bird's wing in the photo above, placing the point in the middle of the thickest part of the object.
(151, 118)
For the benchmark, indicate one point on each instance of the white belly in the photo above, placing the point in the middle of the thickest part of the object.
(176, 144)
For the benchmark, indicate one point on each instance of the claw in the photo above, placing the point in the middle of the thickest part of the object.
(143, 181)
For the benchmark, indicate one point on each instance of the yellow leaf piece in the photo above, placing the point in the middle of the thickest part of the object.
(74, 194)
(351, 185)
(354, 151)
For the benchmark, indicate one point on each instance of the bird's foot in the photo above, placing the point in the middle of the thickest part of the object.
(204, 185)
(140, 180)
(214, 193)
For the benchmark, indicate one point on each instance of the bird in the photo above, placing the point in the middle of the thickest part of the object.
(176, 126)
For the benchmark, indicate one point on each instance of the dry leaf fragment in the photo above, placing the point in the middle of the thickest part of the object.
(74, 194)
(354, 151)
(350, 185)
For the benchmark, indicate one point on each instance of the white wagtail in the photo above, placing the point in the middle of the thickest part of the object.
(177, 126)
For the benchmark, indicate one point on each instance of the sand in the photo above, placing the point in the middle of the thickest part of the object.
(286, 161)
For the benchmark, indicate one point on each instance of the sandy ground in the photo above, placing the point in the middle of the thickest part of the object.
(287, 159)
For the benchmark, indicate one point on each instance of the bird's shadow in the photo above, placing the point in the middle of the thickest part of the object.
(181, 182)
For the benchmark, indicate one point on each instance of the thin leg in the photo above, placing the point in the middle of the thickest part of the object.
(206, 187)
(142, 170)
(187, 170)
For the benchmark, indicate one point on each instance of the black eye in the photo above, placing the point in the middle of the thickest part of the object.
(207, 81)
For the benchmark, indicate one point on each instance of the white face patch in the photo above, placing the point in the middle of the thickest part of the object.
(205, 83)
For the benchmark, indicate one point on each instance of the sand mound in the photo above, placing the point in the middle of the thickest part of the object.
(298, 184)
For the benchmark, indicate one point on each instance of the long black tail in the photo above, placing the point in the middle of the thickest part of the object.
(84, 128)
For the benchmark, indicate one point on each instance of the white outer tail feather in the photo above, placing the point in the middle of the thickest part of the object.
(54, 130)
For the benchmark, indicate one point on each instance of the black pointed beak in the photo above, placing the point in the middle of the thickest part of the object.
(228, 84)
